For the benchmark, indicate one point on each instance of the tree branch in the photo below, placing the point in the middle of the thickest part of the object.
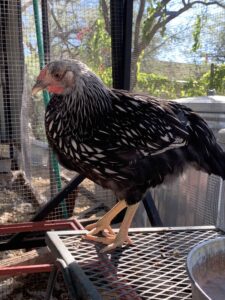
(138, 26)
(60, 33)
(207, 3)
(168, 39)
(173, 14)
(105, 13)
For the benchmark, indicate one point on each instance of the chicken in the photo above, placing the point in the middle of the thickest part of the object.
(122, 141)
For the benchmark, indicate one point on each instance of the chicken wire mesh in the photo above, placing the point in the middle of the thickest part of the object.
(77, 29)
(28, 179)
(176, 71)
(169, 65)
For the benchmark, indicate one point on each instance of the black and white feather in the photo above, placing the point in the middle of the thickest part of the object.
(124, 141)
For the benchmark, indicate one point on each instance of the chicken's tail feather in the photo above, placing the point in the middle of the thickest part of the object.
(203, 147)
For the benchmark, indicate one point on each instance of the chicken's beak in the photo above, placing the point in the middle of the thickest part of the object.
(39, 86)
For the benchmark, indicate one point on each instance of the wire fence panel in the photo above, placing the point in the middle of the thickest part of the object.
(165, 64)
(27, 180)
(170, 63)
(80, 30)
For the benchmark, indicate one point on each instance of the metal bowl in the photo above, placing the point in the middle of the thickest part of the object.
(206, 269)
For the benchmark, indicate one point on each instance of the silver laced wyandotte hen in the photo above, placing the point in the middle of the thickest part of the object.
(123, 141)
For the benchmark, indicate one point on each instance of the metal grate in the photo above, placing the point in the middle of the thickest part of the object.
(153, 268)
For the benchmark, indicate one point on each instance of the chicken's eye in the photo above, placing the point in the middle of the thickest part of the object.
(57, 75)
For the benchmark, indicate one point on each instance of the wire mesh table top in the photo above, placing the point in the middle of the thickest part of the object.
(154, 267)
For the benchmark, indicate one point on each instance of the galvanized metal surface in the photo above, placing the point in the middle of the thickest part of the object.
(195, 198)
(153, 268)
(205, 104)
(206, 269)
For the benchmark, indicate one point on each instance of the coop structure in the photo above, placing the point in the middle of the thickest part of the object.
(29, 175)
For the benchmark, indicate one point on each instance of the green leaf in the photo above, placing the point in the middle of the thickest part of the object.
(196, 34)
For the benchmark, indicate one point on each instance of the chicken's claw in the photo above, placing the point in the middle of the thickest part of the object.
(99, 226)
(112, 241)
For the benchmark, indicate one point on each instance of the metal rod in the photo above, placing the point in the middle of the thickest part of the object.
(27, 244)
(4, 9)
(50, 205)
(151, 210)
(60, 263)
(121, 36)
(16, 240)
(30, 269)
(39, 39)
(116, 11)
(39, 226)
(51, 283)
(53, 163)
(117, 42)
(121, 40)
(46, 97)
(127, 43)
(45, 31)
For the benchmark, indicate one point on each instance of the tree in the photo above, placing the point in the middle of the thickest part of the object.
(76, 28)
(81, 29)
(215, 47)
(152, 18)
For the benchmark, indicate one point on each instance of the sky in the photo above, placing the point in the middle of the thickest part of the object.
(182, 51)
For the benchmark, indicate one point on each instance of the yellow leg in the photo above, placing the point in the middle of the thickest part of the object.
(111, 239)
(104, 222)
(122, 235)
